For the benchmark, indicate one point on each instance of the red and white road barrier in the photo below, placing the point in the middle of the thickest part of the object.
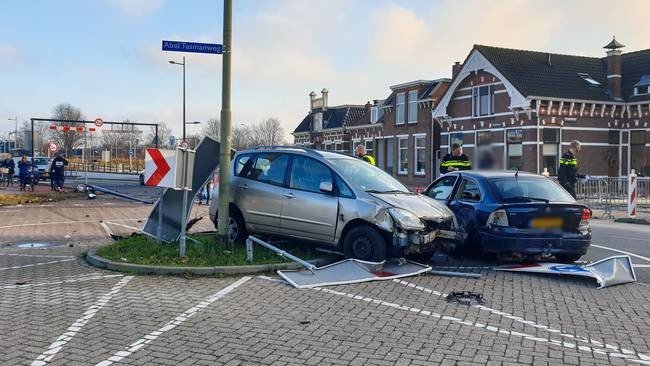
(631, 200)
(72, 128)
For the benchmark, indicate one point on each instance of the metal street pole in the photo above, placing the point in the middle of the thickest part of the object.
(15, 119)
(183, 98)
(225, 133)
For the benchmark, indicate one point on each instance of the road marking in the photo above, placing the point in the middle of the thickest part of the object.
(622, 251)
(625, 354)
(37, 255)
(641, 265)
(78, 324)
(84, 279)
(142, 342)
(106, 229)
(126, 226)
(522, 320)
(61, 223)
(39, 264)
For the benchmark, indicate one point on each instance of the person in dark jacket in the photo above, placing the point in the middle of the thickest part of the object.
(486, 160)
(11, 170)
(23, 171)
(58, 170)
(361, 153)
(568, 173)
(455, 160)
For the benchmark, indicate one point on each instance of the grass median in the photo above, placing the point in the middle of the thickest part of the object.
(207, 252)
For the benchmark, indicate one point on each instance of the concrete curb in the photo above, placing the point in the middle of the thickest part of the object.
(100, 262)
(627, 220)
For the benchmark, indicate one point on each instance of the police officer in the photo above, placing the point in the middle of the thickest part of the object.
(568, 173)
(58, 169)
(360, 152)
(454, 161)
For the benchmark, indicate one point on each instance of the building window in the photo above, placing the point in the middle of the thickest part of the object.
(550, 153)
(369, 146)
(390, 157)
(484, 137)
(338, 146)
(483, 100)
(329, 146)
(400, 109)
(514, 138)
(591, 81)
(614, 137)
(419, 155)
(403, 155)
(641, 90)
(318, 122)
(375, 114)
(413, 106)
(456, 138)
(381, 153)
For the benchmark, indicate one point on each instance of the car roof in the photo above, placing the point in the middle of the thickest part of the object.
(492, 174)
(298, 150)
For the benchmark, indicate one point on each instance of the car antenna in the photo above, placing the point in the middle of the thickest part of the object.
(517, 172)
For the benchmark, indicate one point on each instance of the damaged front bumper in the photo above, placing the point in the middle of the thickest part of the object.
(414, 242)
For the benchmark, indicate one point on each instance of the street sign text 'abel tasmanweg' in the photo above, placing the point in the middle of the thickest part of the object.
(180, 46)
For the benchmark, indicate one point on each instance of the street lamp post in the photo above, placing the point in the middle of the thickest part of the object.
(182, 64)
(15, 119)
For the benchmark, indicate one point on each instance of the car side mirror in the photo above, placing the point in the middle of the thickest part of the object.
(326, 187)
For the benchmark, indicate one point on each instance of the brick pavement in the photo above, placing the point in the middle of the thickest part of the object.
(527, 319)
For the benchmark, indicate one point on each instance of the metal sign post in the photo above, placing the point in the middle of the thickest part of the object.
(185, 161)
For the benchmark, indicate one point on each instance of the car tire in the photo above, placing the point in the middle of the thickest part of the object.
(141, 179)
(568, 258)
(365, 243)
(236, 227)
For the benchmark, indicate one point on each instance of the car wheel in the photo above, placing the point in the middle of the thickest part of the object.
(141, 179)
(567, 258)
(236, 227)
(365, 243)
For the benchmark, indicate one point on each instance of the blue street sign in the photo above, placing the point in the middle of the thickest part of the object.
(131, 153)
(192, 47)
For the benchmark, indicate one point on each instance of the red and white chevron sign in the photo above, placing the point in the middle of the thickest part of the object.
(631, 200)
(160, 168)
(72, 128)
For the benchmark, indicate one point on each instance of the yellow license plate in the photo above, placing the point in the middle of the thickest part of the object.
(546, 223)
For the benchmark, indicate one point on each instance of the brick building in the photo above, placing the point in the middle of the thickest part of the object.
(525, 107)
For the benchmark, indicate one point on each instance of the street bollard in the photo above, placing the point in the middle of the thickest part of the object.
(631, 195)
(249, 250)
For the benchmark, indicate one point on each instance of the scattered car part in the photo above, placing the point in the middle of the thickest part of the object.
(607, 272)
(353, 271)
(249, 253)
(455, 274)
(92, 193)
(465, 298)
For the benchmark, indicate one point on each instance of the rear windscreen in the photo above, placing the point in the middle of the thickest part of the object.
(529, 189)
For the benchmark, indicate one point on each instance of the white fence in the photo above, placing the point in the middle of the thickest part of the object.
(612, 191)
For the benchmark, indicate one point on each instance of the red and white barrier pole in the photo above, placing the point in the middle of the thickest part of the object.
(631, 197)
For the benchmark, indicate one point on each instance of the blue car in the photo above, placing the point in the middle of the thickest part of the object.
(514, 215)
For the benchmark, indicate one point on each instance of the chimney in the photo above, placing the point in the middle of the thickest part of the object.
(367, 107)
(312, 96)
(614, 68)
(324, 92)
(455, 69)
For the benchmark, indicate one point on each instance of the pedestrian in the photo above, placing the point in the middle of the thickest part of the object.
(361, 153)
(486, 160)
(455, 160)
(23, 171)
(58, 167)
(50, 171)
(11, 170)
(568, 173)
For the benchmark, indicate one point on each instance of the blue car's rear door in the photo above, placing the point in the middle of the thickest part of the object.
(464, 204)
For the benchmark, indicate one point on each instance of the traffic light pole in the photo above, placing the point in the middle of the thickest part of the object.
(225, 133)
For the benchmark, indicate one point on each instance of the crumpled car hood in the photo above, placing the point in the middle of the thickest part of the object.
(422, 206)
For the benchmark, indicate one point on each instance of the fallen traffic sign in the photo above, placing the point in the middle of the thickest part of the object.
(158, 164)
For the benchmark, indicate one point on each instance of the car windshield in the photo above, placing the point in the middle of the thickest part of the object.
(510, 190)
(367, 177)
(40, 161)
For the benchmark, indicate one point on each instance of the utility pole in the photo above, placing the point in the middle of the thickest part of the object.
(225, 133)
(15, 119)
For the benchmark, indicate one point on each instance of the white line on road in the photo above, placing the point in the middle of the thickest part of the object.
(61, 223)
(126, 226)
(55, 347)
(622, 251)
(632, 356)
(84, 279)
(142, 342)
(37, 255)
(38, 264)
(641, 265)
(107, 229)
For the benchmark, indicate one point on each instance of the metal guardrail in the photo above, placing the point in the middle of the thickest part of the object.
(611, 192)
(102, 167)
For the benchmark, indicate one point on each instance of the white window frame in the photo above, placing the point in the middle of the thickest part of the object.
(374, 114)
(400, 107)
(636, 90)
(368, 150)
(476, 101)
(422, 172)
(400, 146)
(413, 103)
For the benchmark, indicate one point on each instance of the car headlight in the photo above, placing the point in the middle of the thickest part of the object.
(405, 219)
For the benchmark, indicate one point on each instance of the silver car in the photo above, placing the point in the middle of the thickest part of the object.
(332, 200)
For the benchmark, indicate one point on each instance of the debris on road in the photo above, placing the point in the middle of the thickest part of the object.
(465, 298)
(455, 274)
(610, 271)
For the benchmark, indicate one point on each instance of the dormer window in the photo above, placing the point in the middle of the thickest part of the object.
(641, 90)
(589, 79)
(375, 114)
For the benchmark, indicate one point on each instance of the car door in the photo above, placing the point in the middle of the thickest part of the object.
(443, 188)
(307, 211)
(465, 202)
(260, 189)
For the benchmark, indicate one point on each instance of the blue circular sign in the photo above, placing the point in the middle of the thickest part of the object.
(571, 268)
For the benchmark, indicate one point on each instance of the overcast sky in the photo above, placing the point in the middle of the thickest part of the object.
(104, 56)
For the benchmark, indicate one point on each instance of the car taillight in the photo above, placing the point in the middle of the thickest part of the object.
(498, 218)
(584, 220)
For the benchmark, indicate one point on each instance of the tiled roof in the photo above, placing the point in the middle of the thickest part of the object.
(426, 93)
(334, 117)
(532, 75)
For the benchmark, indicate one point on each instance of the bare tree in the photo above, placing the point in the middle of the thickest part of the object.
(68, 140)
(164, 132)
(212, 128)
(268, 132)
(242, 137)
